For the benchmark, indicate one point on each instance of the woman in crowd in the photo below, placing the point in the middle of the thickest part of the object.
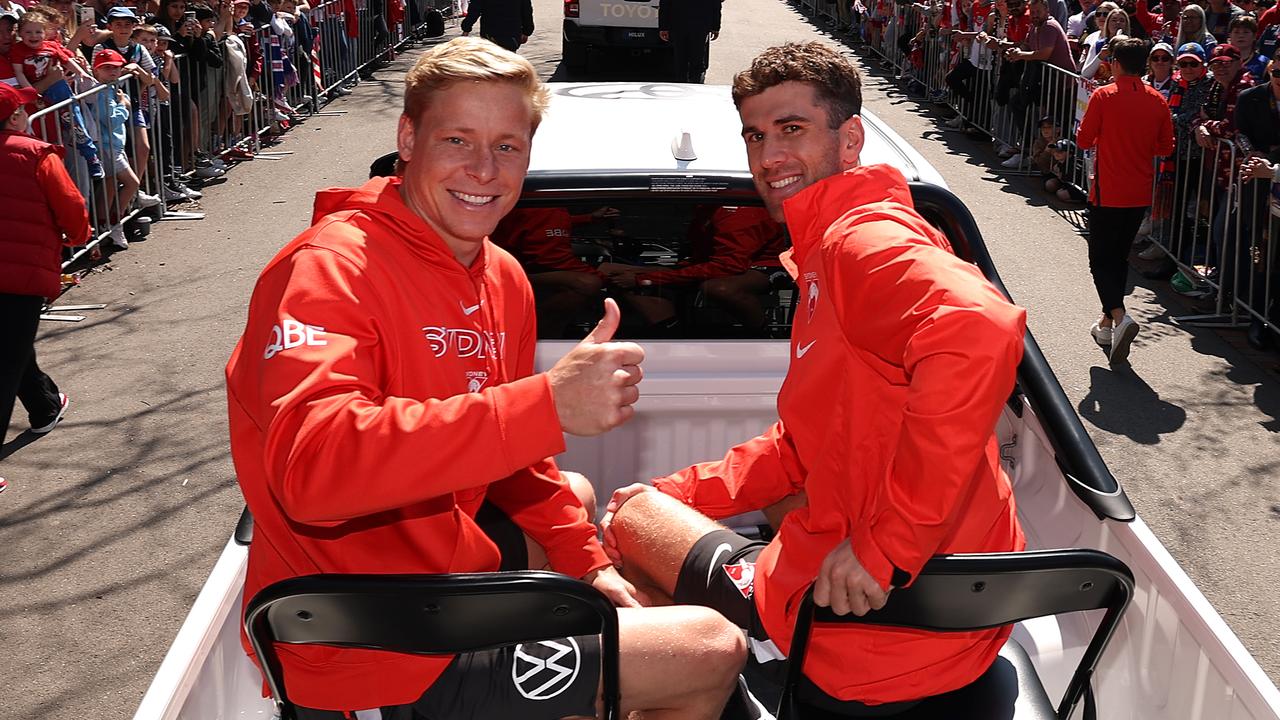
(1095, 61)
(1192, 29)
(1160, 69)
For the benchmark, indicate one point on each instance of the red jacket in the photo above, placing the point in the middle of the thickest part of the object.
(379, 393)
(541, 238)
(902, 357)
(1130, 124)
(727, 242)
(39, 206)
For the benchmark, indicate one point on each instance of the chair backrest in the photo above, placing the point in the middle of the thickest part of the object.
(986, 590)
(430, 614)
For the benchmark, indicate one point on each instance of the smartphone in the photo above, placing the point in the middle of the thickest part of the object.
(86, 15)
(189, 17)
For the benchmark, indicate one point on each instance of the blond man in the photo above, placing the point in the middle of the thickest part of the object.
(385, 418)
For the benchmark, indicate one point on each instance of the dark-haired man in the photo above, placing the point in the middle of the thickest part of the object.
(1129, 123)
(881, 461)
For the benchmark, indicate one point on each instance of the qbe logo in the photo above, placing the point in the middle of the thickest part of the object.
(290, 334)
(544, 669)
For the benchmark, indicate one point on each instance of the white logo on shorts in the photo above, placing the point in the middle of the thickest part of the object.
(537, 671)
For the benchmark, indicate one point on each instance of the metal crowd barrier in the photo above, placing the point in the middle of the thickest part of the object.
(287, 80)
(74, 124)
(1224, 239)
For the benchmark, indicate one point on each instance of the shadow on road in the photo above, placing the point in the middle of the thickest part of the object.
(1121, 402)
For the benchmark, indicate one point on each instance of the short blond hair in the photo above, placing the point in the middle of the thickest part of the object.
(468, 59)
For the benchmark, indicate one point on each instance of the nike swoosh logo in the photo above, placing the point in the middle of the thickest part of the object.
(721, 548)
(802, 349)
(468, 310)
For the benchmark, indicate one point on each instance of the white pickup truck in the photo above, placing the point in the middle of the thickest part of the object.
(612, 25)
(1171, 658)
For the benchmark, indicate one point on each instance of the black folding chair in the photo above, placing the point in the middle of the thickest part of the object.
(973, 592)
(431, 615)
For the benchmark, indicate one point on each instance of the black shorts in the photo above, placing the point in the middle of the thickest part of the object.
(719, 573)
(541, 680)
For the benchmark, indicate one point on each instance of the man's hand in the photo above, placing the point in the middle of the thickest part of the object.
(615, 587)
(620, 496)
(1256, 168)
(666, 36)
(1203, 138)
(594, 385)
(605, 212)
(845, 586)
(624, 276)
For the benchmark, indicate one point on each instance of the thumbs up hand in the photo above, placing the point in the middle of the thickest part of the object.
(594, 385)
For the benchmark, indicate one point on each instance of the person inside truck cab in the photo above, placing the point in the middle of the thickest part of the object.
(564, 285)
(385, 418)
(733, 262)
(902, 357)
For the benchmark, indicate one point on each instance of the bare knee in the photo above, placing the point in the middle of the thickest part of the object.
(654, 532)
(585, 491)
(720, 643)
(719, 288)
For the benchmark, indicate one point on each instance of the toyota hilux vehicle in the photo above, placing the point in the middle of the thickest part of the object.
(642, 171)
(610, 25)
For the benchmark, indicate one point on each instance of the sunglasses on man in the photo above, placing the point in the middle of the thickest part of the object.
(1187, 64)
(1275, 72)
(1161, 58)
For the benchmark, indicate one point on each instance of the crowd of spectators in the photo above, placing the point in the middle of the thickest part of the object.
(154, 98)
(1215, 202)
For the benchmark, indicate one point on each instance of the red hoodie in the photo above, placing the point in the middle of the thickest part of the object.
(379, 393)
(902, 357)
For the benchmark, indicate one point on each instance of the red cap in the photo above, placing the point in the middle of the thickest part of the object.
(12, 98)
(107, 56)
(1223, 50)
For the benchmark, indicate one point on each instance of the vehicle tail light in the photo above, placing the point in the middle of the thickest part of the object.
(571, 8)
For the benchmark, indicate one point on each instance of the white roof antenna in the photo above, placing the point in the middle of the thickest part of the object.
(682, 146)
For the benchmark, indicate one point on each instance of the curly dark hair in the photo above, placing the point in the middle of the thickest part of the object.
(830, 74)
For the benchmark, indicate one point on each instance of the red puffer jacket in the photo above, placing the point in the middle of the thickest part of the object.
(38, 205)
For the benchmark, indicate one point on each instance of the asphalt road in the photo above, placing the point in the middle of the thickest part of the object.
(112, 522)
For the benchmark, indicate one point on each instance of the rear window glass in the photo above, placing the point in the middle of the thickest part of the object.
(678, 269)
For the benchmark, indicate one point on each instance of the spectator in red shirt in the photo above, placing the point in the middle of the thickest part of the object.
(1129, 124)
(40, 209)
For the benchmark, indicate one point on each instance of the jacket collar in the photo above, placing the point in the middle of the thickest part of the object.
(380, 198)
(811, 211)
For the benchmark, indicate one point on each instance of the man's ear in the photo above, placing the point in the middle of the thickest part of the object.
(852, 137)
(406, 136)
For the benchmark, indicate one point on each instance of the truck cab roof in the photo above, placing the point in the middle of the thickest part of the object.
(620, 129)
